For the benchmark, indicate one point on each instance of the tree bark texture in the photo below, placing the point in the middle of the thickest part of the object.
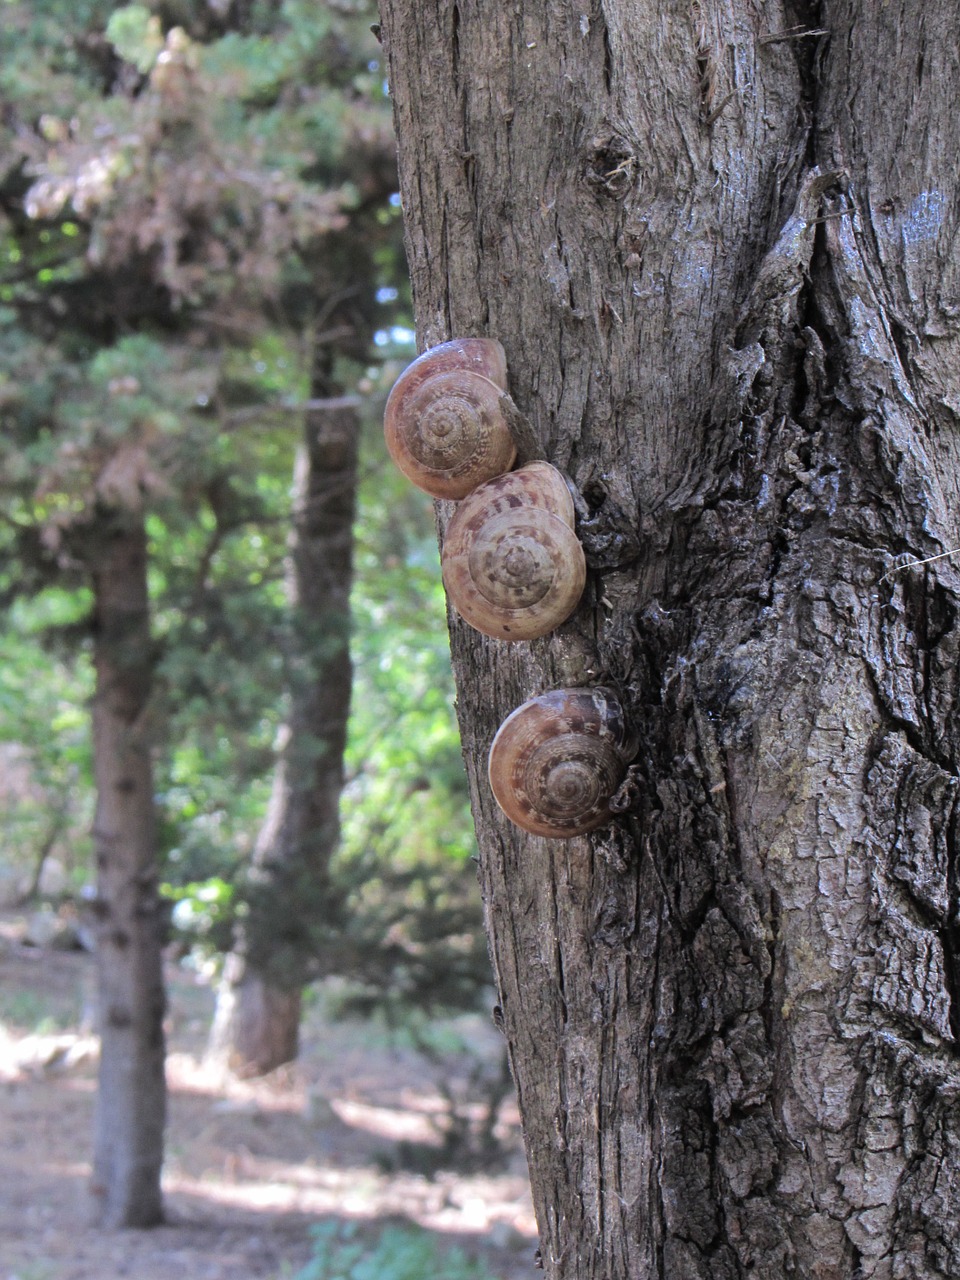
(131, 1095)
(717, 239)
(258, 1010)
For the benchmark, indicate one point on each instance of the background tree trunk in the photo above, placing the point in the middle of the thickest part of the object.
(131, 1094)
(718, 241)
(258, 1010)
(293, 903)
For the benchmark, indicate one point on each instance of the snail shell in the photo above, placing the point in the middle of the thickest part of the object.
(557, 760)
(512, 564)
(443, 423)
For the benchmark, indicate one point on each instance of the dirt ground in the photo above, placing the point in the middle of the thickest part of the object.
(349, 1133)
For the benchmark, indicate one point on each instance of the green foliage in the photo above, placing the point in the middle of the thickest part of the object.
(183, 188)
(404, 757)
(159, 195)
(29, 1012)
(399, 1253)
(136, 35)
(411, 934)
(43, 716)
(202, 915)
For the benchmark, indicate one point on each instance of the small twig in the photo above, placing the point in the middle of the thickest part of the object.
(714, 115)
(325, 402)
(331, 403)
(793, 34)
(915, 564)
(201, 584)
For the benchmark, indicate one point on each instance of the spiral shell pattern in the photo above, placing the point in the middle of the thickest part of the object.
(512, 564)
(443, 423)
(557, 760)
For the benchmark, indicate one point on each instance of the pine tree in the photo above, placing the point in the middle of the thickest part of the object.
(165, 196)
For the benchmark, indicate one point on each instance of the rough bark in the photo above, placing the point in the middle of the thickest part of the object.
(131, 1094)
(717, 239)
(258, 1011)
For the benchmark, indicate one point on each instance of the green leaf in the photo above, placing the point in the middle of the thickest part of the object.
(136, 35)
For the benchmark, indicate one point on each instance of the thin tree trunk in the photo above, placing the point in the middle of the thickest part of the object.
(131, 1096)
(258, 1013)
(718, 242)
(55, 827)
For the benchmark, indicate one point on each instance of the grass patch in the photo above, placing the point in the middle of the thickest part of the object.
(399, 1253)
(30, 1012)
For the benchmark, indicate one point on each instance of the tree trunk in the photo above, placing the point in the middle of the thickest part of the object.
(258, 1010)
(131, 1096)
(717, 240)
(57, 807)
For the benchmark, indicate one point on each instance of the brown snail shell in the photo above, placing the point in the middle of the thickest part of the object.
(512, 565)
(443, 423)
(558, 759)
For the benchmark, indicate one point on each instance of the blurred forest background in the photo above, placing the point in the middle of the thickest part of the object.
(202, 306)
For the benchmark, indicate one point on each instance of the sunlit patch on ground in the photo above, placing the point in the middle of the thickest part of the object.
(251, 1165)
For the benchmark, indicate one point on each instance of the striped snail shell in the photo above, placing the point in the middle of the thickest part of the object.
(558, 759)
(443, 423)
(512, 564)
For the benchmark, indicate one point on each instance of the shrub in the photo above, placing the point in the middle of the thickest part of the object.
(400, 1253)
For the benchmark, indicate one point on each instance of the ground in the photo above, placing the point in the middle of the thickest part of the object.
(350, 1134)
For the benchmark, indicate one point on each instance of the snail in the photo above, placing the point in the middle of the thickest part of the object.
(558, 759)
(512, 564)
(443, 422)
